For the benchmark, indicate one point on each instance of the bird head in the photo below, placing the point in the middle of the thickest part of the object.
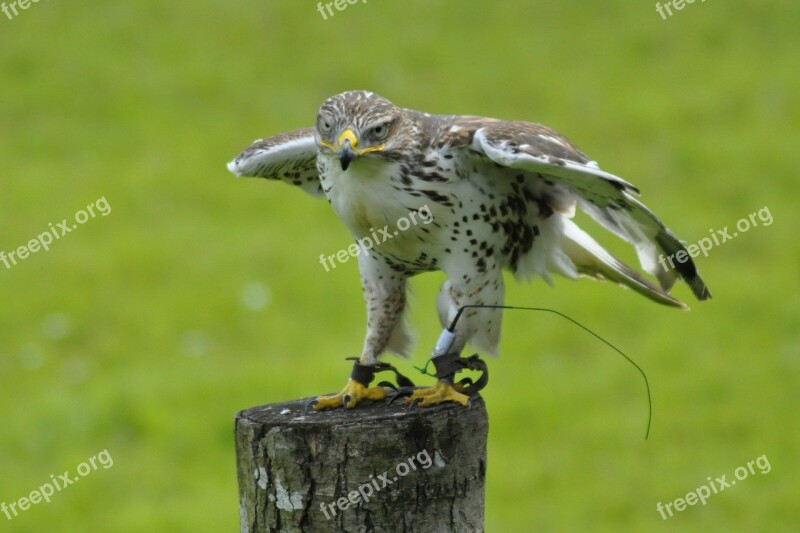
(357, 124)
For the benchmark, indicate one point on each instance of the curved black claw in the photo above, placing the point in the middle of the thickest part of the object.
(401, 393)
(466, 382)
(311, 404)
(345, 401)
(414, 403)
(387, 384)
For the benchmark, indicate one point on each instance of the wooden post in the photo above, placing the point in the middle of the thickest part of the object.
(376, 468)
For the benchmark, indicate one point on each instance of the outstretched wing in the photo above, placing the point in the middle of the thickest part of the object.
(605, 197)
(290, 157)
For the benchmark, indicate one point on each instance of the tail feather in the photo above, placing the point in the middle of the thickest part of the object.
(671, 246)
(592, 260)
(653, 241)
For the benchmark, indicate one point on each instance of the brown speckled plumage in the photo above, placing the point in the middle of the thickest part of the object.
(501, 195)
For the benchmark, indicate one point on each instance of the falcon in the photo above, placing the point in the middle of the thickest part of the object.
(500, 195)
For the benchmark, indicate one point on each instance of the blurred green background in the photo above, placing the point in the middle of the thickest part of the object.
(144, 331)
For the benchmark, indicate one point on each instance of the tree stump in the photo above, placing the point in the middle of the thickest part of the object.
(377, 467)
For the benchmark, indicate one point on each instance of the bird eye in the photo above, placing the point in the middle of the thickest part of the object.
(324, 125)
(380, 131)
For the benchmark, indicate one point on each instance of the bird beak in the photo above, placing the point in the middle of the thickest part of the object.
(348, 146)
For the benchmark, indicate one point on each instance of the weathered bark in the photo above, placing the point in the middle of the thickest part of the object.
(424, 467)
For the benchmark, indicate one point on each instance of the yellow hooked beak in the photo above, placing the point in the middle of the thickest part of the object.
(347, 147)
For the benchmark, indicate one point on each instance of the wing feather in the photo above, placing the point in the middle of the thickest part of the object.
(605, 197)
(290, 157)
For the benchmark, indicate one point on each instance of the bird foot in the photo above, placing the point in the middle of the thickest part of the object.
(353, 393)
(443, 391)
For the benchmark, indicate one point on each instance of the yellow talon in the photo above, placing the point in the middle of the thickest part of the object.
(354, 392)
(442, 392)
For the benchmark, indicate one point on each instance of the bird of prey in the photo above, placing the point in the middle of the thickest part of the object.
(501, 195)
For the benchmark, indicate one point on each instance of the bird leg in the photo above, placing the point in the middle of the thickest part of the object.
(445, 389)
(445, 357)
(357, 389)
(385, 296)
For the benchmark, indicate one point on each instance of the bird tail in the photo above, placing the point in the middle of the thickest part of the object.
(592, 260)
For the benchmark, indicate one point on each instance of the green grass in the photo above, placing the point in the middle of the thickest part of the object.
(130, 334)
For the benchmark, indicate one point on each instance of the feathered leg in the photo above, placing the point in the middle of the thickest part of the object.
(480, 326)
(385, 295)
